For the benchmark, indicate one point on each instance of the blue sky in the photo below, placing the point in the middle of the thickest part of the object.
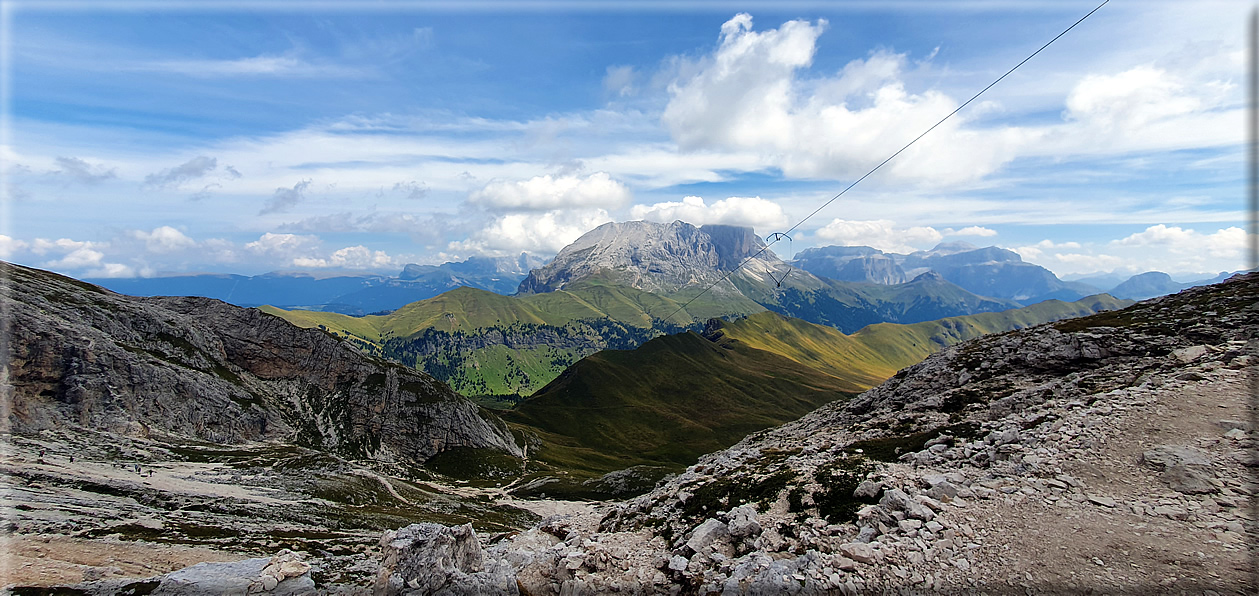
(147, 138)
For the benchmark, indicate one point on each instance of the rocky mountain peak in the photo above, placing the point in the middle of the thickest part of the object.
(651, 256)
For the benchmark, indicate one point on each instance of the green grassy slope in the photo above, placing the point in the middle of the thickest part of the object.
(679, 396)
(876, 352)
(673, 399)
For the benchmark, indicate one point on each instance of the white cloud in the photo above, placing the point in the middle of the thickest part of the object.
(747, 96)
(43, 246)
(553, 192)
(1158, 234)
(1171, 249)
(284, 246)
(1091, 263)
(970, 231)
(1230, 243)
(1036, 251)
(531, 232)
(753, 212)
(9, 246)
(881, 234)
(350, 257)
(111, 270)
(164, 239)
(1131, 99)
(78, 259)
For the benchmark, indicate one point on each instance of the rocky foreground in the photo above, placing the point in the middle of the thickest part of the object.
(1108, 454)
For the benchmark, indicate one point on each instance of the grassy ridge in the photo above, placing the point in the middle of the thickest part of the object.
(876, 352)
(674, 398)
(468, 309)
(680, 396)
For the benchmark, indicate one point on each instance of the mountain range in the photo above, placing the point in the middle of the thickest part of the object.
(616, 287)
(353, 294)
(989, 271)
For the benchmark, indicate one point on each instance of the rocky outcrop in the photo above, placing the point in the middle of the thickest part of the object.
(79, 355)
(435, 559)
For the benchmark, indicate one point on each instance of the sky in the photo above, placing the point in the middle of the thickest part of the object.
(155, 138)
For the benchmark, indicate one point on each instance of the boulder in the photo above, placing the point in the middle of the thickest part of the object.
(705, 534)
(743, 522)
(436, 559)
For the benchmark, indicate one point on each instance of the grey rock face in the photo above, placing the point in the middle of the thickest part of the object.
(655, 257)
(851, 263)
(79, 355)
(436, 559)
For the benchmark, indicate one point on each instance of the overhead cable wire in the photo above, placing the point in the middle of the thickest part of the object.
(780, 235)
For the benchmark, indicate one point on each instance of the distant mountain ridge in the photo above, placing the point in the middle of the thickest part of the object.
(348, 293)
(989, 271)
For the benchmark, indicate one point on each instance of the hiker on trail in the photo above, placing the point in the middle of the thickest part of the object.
(137, 468)
(71, 459)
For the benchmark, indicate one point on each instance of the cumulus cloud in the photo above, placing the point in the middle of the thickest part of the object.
(81, 171)
(9, 246)
(1224, 243)
(881, 234)
(283, 246)
(80, 257)
(553, 192)
(748, 96)
(540, 233)
(193, 169)
(163, 239)
(284, 199)
(753, 212)
(350, 257)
